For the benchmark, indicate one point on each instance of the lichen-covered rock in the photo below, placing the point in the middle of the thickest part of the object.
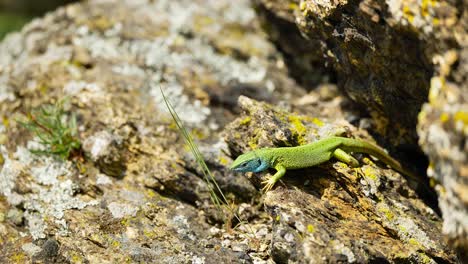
(443, 130)
(137, 195)
(381, 52)
(335, 213)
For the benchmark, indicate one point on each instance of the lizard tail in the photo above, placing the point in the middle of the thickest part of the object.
(361, 146)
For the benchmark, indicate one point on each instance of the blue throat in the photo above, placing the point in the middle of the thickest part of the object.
(263, 166)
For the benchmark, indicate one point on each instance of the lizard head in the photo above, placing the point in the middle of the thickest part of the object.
(250, 162)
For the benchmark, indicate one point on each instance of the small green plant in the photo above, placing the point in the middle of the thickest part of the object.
(219, 201)
(55, 129)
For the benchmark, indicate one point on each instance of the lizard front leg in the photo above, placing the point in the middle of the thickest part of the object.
(281, 170)
(342, 156)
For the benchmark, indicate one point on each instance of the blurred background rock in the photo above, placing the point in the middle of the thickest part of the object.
(15, 13)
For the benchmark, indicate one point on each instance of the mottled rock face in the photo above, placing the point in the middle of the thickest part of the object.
(334, 212)
(380, 52)
(443, 130)
(137, 195)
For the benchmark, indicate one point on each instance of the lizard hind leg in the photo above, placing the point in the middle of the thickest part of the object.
(342, 156)
(269, 183)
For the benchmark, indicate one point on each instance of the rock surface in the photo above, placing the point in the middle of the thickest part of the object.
(139, 196)
(443, 127)
(380, 52)
(316, 211)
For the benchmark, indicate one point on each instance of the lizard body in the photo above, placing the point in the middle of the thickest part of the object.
(286, 158)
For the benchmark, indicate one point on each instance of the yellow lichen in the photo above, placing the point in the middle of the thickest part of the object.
(253, 143)
(413, 242)
(293, 6)
(200, 22)
(342, 165)
(198, 133)
(150, 193)
(425, 259)
(76, 258)
(370, 173)
(317, 122)
(302, 6)
(173, 126)
(223, 160)
(461, 116)
(18, 258)
(299, 130)
(150, 234)
(444, 117)
(125, 222)
(408, 13)
(5, 121)
(388, 214)
(402, 229)
(115, 243)
(425, 7)
(245, 121)
(310, 228)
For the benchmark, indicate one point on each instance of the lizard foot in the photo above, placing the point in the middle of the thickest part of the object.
(269, 183)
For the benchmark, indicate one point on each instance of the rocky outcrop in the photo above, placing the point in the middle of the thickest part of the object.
(443, 128)
(380, 52)
(135, 194)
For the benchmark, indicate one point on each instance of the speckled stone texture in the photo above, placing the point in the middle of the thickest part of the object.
(139, 196)
(443, 128)
(379, 52)
(334, 213)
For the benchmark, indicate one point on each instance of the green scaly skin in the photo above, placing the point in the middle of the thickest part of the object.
(286, 158)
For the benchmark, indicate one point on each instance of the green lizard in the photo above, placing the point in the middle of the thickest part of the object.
(309, 155)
